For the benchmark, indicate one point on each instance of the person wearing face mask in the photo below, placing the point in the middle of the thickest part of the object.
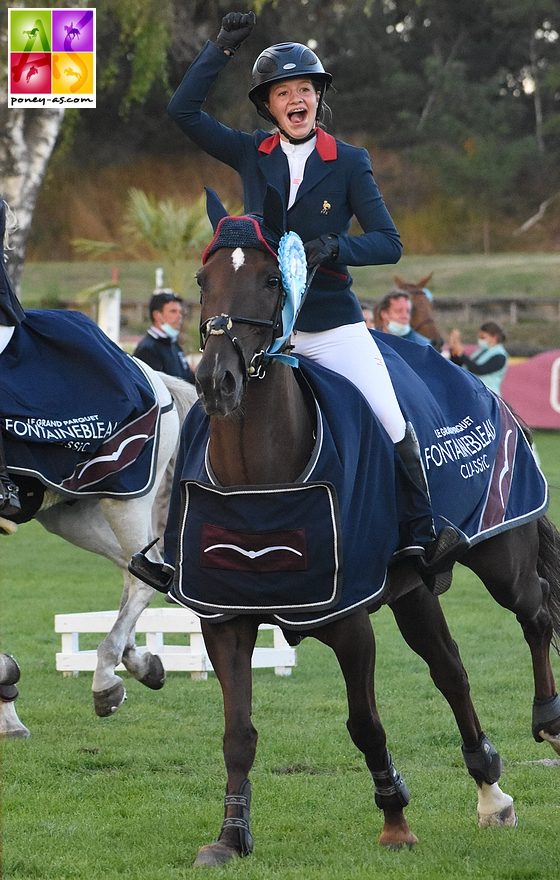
(159, 347)
(489, 360)
(326, 183)
(394, 312)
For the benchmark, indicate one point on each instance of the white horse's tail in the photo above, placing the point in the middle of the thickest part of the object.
(183, 393)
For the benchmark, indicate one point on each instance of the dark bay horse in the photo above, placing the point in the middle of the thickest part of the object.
(422, 315)
(261, 432)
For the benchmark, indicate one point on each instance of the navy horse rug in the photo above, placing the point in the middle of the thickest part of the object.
(316, 549)
(77, 413)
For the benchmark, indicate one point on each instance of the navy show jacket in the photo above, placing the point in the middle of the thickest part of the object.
(337, 185)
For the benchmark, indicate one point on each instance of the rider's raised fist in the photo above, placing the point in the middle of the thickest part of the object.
(236, 27)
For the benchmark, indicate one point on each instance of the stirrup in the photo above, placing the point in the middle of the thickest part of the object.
(443, 552)
(436, 566)
(151, 573)
(437, 583)
(10, 504)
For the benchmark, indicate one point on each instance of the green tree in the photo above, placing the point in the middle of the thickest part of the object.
(162, 230)
(137, 33)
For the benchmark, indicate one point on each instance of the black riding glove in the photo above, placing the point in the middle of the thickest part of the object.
(321, 250)
(236, 27)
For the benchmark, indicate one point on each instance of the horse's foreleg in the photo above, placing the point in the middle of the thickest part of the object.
(10, 725)
(119, 645)
(230, 647)
(420, 619)
(130, 523)
(353, 642)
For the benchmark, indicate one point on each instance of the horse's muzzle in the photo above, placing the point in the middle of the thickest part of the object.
(220, 392)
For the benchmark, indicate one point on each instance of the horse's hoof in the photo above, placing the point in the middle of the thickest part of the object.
(108, 701)
(214, 854)
(154, 678)
(20, 732)
(393, 838)
(553, 739)
(10, 725)
(506, 818)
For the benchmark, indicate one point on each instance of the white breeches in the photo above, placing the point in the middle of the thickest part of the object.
(352, 351)
(5, 336)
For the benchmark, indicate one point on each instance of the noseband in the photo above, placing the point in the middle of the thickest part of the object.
(223, 325)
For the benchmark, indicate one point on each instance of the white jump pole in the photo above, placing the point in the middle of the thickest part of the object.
(109, 309)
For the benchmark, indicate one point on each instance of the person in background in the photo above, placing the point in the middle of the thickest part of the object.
(489, 360)
(161, 351)
(159, 347)
(394, 311)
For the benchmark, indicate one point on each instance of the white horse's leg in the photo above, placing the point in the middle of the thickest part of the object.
(495, 807)
(131, 522)
(10, 725)
(104, 527)
(84, 524)
(116, 529)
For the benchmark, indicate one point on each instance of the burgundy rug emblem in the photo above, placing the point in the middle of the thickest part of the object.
(283, 550)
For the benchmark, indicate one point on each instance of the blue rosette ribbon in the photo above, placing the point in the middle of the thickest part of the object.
(293, 269)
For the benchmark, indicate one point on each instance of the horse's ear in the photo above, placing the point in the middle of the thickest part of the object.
(214, 208)
(423, 281)
(274, 211)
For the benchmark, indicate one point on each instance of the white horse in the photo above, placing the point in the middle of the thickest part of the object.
(114, 528)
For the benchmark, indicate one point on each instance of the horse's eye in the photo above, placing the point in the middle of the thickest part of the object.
(199, 281)
(274, 282)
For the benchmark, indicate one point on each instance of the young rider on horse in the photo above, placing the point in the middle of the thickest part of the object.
(326, 182)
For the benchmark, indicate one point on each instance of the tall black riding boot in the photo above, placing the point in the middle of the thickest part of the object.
(436, 554)
(9, 492)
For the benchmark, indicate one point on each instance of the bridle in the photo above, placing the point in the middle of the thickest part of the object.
(222, 324)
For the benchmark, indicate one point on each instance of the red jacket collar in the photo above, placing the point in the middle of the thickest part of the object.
(325, 146)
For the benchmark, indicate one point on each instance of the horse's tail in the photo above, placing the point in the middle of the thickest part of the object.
(183, 393)
(548, 567)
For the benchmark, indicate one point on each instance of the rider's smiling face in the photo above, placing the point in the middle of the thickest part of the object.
(293, 104)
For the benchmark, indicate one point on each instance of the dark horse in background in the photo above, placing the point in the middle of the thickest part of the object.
(422, 315)
(261, 432)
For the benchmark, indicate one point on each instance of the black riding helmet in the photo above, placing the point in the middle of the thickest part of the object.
(285, 61)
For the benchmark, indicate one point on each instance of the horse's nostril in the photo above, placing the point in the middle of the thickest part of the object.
(228, 383)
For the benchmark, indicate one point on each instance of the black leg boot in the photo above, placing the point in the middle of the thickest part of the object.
(440, 551)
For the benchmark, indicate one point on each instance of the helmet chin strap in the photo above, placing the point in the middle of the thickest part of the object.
(302, 140)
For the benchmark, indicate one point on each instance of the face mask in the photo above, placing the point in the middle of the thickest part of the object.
(170, 331)
(398, 329)
(482, 343)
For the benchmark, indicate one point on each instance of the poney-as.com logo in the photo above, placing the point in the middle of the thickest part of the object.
(51, 57)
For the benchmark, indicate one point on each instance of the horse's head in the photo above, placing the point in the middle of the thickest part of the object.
(242, 296)
(422, 317)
